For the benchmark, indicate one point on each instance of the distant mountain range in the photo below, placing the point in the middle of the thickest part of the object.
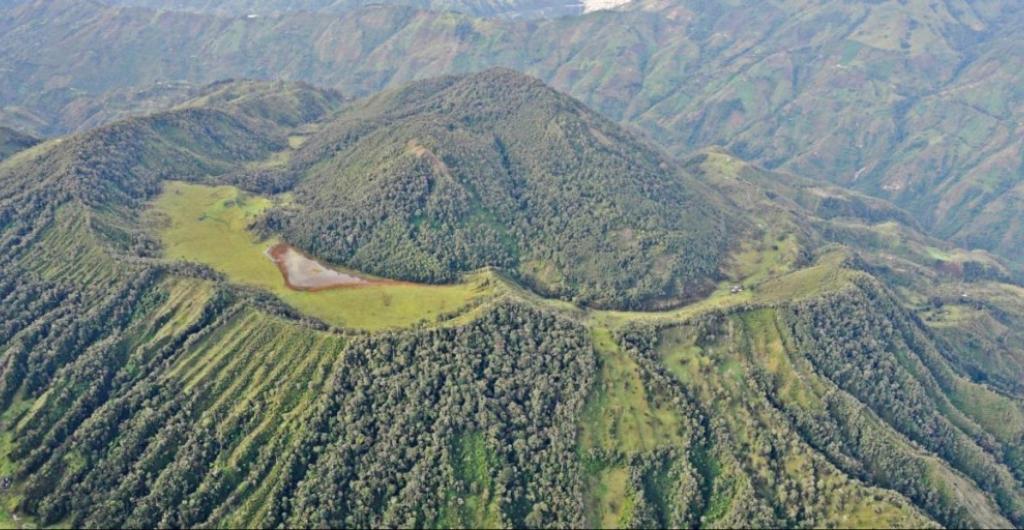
(480, 8)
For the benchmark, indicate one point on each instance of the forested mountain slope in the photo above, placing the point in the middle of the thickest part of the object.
(842, 385)
(496, 169)
(927, 91)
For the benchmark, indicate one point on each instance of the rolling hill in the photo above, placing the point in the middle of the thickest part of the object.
(847, 369)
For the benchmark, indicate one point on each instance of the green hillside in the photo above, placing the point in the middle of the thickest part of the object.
(82, 112)
(842, 369)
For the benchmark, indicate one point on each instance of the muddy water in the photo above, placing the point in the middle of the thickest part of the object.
(303, 273)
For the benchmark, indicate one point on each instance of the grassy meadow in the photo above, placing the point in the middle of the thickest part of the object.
(208, 225)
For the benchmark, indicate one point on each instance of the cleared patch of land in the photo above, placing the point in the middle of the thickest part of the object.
(209, 225)
(304, 273)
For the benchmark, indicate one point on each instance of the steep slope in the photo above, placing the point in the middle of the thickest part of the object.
(927, 90)
(496, 169)
(969, 182)
(797, 361)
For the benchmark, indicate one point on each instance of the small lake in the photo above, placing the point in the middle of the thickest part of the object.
(303, 273)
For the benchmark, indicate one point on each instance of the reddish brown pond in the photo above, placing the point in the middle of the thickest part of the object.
(303, 273)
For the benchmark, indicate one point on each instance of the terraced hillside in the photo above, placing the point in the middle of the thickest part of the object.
(155, 371)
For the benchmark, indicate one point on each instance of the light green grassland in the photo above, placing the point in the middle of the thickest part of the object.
(10, 498)
(475, 503)
(719, 376)
(208, 225)
(620, 415)
(613, 500)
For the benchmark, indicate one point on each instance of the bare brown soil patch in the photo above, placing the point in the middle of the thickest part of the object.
(303, 273)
